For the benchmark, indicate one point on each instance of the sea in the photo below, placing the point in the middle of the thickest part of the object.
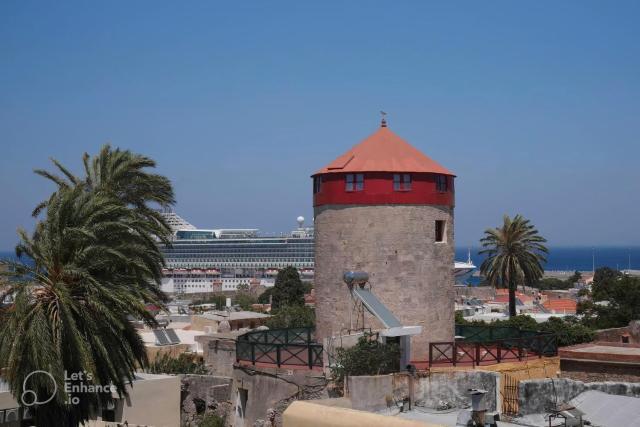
(575, 258)
(559, 258)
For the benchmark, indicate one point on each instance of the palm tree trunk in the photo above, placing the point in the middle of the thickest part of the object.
(512, 299)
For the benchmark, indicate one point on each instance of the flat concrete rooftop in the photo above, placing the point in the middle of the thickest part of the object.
(603, 352)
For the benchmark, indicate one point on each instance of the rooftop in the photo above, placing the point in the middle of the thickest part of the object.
(384, 151)
(233, 315)
(603, 352)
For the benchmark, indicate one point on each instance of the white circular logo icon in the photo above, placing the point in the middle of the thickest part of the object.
(26, 401)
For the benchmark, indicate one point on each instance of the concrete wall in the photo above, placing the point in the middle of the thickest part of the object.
(371, 393)
(453, 387)
(306, 414)
(375, 393)
(537, 396)
(153, 401)
(409, 272)
(198, 323)
(8, 402)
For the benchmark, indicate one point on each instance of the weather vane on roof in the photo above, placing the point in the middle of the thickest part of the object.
(383, 122)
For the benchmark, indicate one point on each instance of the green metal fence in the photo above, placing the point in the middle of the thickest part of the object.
(280, 347)
(479, 344)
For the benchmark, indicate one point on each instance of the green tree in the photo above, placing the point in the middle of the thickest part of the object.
(515, 254)
(292, 316)
(88, 268)
(265, 297)
(575, 278)
(244, 300)
(548, 283)
(613, 302)
(288, 289)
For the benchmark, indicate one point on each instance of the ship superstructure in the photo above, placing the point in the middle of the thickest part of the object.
(214, 260)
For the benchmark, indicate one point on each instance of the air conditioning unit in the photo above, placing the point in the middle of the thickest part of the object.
(209, 330)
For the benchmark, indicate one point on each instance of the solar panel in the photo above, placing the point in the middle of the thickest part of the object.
(161, 337)
(173, 337)
(375, 307)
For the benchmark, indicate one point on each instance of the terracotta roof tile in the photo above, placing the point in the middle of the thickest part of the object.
(384, 151)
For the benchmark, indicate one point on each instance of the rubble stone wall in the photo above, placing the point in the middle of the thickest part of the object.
(409, 272)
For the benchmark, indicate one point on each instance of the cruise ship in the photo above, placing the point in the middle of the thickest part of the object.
(216, 260)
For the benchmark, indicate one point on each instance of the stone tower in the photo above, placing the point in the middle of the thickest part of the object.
(386, 208)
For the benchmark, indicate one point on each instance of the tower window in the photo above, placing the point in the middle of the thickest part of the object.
(317, 184)
(401, 182)
(440, 230)
(441, 183)
(354, 182)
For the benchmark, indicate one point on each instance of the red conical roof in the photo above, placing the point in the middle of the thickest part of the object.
(383, 151)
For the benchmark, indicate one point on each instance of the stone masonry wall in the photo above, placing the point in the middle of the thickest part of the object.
(409, 272)
(589, 371)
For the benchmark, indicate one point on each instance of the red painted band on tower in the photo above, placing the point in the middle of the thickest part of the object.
(378, 188)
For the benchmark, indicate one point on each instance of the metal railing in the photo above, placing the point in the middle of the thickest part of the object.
(280, 347)
(490, 345)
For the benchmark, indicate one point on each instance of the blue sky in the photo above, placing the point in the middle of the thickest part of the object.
(534, 105)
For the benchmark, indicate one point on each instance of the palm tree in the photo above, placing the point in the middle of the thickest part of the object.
(91, 264)
(123, 175)
(89, 267)
(515, 254)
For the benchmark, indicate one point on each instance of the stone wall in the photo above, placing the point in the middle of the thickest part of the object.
(537, 396)
(409, 272)
(219, 353)
(615, 334)
(269, 391)
(590, 371)
(205, 394)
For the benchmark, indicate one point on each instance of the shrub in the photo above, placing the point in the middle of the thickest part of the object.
(367, 357)
(293, 316)
(185, 363)
(568, 330)
(211, 420)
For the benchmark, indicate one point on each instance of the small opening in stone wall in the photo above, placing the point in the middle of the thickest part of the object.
(440, 230)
